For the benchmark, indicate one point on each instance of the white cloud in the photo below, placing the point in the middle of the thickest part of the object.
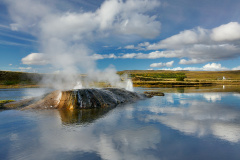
(186, 37)
(137, 24)
(36, 59)
(207, 67)
(151, 55)
(24, 68)
(180, 68)
(133, 20)
(196, 53)
(27, 14)
(98, 56)
(103, 56)
(226, 32)
(202, 45)
(14, 26)
(111, 56)
(160, 65)
(113, 16)
(60, 32)
(128, 55)
(140, 46)
(191, 61)
(213, 67)
(129, 47)
(236, 68)
(43, 59)
(144, 44)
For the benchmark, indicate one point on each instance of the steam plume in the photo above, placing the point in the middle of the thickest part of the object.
(64, 35)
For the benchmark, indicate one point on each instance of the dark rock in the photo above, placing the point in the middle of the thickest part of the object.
(97, 98)
(79, 99)
(153, 93)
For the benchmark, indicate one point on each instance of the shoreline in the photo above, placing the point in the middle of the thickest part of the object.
(162, 88)
(20, 86)
(148, 84)
(182, 83)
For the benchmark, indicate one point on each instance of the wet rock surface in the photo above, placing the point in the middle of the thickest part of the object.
(97, 98)
(79, 99)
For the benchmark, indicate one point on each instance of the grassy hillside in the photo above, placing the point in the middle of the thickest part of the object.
(8, 78)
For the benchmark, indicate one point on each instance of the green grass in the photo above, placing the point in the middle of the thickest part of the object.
(13, 82)
(5, 101)
(14, 78)
(180, 78)
(158, 75)
(2, 102)
(158, 78)
(192, 75)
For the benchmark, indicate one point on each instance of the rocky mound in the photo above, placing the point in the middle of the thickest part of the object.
(79, 99)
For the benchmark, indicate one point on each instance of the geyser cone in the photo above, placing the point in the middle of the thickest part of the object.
(96, 98)
(80, 99)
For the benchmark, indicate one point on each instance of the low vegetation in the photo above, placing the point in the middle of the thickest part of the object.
(146, 78)
(2, 102)
(19, 78)
(181, 77)
(162, 78)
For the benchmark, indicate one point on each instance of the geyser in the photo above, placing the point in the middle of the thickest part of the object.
(79, 99)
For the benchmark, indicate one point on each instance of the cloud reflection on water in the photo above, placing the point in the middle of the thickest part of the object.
(133, 131)
(105, 137)
(200, 117)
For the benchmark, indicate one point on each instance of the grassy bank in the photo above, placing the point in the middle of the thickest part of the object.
(21, 86)
(140, 78)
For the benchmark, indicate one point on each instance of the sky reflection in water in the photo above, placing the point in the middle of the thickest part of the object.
(177, 126)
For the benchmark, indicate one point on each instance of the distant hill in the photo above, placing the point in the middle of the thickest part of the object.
(13, 78)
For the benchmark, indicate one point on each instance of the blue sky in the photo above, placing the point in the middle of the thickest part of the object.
(55, 35)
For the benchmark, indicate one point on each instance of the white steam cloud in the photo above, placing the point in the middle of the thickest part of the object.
(64, 35)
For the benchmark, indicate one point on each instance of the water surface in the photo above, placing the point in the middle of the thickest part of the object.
(177, 126)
